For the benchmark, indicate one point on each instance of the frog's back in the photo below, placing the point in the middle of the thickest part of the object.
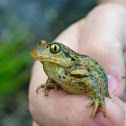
(96, 71)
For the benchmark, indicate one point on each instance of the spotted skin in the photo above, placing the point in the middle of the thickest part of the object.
(75, 73)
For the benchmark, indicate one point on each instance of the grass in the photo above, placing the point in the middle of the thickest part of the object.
(15, 62)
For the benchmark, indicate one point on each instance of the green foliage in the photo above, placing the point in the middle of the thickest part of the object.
(15, 61)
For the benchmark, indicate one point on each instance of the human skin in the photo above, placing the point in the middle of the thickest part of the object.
(101, 35)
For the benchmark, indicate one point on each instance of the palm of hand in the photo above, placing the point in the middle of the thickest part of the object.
(94, 37)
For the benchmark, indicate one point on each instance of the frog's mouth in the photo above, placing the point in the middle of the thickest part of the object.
(64, 63)
(40, 58)
(36, 56)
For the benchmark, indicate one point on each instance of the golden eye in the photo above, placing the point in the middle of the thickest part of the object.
(55, 48)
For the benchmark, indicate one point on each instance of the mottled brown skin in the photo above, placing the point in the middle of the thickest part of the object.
(75, 73)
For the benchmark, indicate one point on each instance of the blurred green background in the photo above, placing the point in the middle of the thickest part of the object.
(22, 24)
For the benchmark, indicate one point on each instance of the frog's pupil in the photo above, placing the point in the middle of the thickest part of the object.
(55, 48)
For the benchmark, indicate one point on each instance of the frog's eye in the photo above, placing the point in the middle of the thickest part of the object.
(55, 48)
(41, 42)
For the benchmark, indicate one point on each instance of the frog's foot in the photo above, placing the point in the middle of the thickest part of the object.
(97, 102)
(45, 86)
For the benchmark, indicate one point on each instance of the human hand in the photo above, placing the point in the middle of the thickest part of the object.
(100, 35)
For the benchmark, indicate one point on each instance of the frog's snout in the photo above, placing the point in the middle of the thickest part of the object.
(33, 53)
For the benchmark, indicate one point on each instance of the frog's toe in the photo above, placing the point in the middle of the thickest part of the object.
(103, 109)
(55, 88)
(45, 94)
(96, 105)
(90, 103)
(97, 102)
(45, 86)
(41, 86)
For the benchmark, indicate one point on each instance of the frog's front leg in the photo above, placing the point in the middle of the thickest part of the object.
(50, 83)
(99, 101)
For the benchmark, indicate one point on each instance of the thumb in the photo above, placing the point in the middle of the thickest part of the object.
(101, 38)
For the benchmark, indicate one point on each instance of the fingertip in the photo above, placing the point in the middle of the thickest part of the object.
(38, 73)
(35, 124)
(38, 77)
(113, 83)
(115, 112)
(115, 115)
(101, 121)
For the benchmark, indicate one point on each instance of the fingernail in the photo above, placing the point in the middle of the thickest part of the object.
(112, 83)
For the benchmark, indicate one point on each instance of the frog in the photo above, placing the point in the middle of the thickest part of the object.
(73, 72)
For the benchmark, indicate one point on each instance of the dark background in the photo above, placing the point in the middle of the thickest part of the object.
(22, 24)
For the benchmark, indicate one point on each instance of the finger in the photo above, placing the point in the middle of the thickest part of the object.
(123, 2)
(38, 77)
(35, 124)
(115, 114)
(71, 36)
(45, 109)
(61, 108)
(102, 38)
(36, 104)
(120, 102)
